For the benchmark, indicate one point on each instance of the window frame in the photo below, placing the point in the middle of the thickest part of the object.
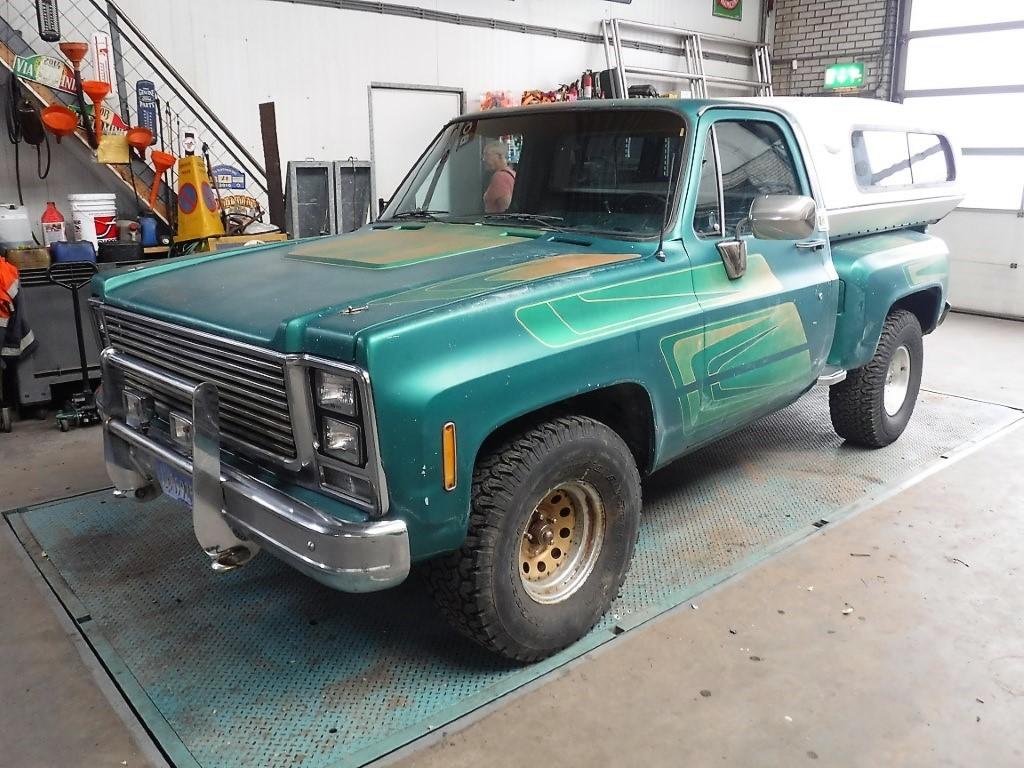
(677, 178)
(719, 192)
(905, 35)
(799, 165)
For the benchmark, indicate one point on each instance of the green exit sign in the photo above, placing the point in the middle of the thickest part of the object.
(844, 76)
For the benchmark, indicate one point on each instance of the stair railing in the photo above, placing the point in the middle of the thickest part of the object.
(135, 57)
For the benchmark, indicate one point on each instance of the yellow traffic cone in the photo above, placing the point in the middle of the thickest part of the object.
(198, 214)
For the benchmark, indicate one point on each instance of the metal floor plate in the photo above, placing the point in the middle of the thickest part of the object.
(265, 667)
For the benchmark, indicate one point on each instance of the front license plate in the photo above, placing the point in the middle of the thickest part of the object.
(174, 483)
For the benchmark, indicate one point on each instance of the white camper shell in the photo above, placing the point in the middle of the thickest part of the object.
(878, 165)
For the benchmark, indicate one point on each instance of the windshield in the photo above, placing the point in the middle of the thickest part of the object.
(608, 171)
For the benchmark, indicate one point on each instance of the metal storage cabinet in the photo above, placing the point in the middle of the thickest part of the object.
(47, 308)
(309, 199)
(351, 193)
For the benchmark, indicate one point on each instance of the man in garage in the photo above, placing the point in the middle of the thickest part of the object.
(498, 195)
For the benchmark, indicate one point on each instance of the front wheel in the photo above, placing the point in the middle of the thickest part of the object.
(873, 405)
(554, 520)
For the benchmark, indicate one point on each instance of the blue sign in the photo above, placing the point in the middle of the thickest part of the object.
(227, 177)
(145, 101)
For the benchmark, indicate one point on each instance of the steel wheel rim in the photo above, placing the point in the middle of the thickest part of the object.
(561, 542)
(897, 381)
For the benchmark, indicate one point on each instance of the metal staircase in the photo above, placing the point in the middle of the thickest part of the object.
(695, 48)
(134, 58)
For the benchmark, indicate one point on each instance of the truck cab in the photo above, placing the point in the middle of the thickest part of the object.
(557, 301)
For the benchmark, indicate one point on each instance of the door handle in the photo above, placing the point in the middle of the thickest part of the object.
(811, 245)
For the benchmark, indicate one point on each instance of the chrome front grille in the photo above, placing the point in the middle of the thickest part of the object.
(254, 414)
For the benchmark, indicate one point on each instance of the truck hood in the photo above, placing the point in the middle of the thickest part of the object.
(282, 295)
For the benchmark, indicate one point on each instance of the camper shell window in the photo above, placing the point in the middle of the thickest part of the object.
(889, 159)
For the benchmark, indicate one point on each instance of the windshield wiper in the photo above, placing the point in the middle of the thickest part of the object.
(545, 220)
(541, 218)
(425, 213)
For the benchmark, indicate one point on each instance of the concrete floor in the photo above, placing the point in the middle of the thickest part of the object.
(928, 668)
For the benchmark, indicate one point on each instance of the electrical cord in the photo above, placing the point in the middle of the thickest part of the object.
(15, 134)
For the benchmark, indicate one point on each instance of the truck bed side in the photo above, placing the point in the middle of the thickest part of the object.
(877, 272)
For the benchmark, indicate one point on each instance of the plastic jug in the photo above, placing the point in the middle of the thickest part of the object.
(15, 229)
(53, 225)
(148, 225)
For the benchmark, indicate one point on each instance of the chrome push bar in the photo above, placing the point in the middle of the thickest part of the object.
(234, 514)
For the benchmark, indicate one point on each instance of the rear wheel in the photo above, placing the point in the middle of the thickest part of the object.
(554, 521)
(873, 405)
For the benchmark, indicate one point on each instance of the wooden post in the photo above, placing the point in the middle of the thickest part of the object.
(272, 161)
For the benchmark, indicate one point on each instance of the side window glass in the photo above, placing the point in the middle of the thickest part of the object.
(706, 216)
(755, 161)
(881, 158)
(929, 158)
(892, 158)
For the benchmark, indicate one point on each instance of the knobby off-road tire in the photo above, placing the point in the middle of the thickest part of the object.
(858, 406)
(507, 589)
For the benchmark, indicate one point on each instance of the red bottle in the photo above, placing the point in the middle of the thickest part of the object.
(588, 86)
(53, 225)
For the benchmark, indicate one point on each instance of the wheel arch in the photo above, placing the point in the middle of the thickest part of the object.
(626, 408)
(925, 305)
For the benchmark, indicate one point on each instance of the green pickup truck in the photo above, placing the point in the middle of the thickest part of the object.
(557, 301)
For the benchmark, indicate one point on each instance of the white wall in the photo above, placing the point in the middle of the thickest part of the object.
(316, 62)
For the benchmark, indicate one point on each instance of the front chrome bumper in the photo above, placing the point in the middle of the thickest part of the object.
(235, 514)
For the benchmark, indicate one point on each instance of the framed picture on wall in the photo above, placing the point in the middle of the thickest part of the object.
(727, 9)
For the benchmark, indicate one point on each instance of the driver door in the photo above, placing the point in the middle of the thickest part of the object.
(766, 333)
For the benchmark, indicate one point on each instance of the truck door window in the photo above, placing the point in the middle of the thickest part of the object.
(755, 160)
(707, 213)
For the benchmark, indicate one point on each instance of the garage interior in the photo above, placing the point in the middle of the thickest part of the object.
(792, 596)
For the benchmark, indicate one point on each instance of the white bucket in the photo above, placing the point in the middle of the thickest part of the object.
(15, 229)
(94, 217)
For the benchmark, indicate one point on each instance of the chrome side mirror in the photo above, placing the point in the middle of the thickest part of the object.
(782, 217)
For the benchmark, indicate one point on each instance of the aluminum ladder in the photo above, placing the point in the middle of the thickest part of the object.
(755, 55)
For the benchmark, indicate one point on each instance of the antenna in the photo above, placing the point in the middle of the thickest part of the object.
(660, 253)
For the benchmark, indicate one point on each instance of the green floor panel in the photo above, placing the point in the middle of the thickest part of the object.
(264, 667)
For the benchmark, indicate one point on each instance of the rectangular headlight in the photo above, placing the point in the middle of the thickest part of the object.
(342, 441)
(336, 393)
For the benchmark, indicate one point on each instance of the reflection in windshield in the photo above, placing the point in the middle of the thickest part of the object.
(498, 195)
(595, 170)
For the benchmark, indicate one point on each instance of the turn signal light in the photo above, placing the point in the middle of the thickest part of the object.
(448, 455)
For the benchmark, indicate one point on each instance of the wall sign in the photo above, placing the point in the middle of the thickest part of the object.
(45, 70)
(145, 105)
(242, 205)
(227, 177)
(112, 122)
(101, 57)
(727, 9)
(844, 76)
(189, 142)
